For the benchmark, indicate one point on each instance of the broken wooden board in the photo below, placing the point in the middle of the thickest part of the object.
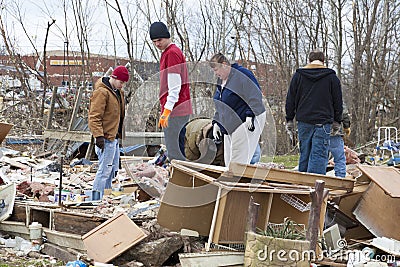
(288, 176)
(212, 259)
(112, 238)
(379, 212)
(60, 239)
(4, 129)
(387, 178)
(7, 198)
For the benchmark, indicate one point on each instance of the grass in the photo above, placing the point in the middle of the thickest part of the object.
(289, 161)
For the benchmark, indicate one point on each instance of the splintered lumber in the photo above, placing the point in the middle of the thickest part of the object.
(288, 176)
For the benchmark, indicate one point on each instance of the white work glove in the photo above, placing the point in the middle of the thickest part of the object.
(216, 132)
(250, 123)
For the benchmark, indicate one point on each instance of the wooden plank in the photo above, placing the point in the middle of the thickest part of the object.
(75, 223)
(17, 228)
(220, 215)
(77, 136)
(269, 205)
(201, 166)
(148, 138)
(4, 129)
(66, 240)
(387, 178)
(288, 176)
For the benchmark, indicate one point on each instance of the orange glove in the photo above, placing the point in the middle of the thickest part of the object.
(347, 131)
(163, 122)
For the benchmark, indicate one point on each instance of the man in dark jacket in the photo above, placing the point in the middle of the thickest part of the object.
(315, 99)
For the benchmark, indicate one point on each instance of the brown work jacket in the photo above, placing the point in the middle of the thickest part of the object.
(106, 111)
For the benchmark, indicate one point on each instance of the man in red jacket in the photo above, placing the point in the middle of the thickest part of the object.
(174, 93)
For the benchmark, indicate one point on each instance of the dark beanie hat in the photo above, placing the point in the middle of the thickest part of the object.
(159, 30)
(121, 73)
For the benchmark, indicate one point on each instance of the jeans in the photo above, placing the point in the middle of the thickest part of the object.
(108, 165)
(174, 136)
(257, 155)
(336, 148)
(314, 147)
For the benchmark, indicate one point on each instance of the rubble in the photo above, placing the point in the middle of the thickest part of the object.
(215, 217)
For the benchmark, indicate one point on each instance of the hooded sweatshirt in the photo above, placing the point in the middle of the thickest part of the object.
(314, 96)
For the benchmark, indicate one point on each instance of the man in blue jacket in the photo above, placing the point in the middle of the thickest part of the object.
(240, 113)
(315, 99)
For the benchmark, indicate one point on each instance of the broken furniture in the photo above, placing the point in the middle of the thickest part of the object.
(214, 200)
(62, 228)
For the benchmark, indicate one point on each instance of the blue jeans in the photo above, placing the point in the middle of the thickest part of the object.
(314, 147)
(336, 147)
(174, 136)
(108, 165)
(257, 155)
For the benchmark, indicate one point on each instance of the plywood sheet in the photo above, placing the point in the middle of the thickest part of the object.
(379, 212)
(187, 203)
(387, 178)
(112, 238)
(4, 129)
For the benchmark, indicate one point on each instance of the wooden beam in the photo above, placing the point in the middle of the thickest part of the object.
(252, 215)
(201, 166)
(288, 176)
(317, 197)
(77, 136)
(147, 138)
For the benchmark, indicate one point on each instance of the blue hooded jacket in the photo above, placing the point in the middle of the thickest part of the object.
(240, 98)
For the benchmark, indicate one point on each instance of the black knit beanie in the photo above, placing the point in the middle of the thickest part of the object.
(159, 30)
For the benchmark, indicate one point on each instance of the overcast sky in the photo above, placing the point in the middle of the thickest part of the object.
(37, 14)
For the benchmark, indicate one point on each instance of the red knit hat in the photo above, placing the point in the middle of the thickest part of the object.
(120, 73)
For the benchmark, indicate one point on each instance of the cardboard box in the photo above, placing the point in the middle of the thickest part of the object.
(112, 238)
